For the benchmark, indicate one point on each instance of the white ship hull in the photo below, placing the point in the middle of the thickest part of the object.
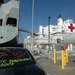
(9, 15)
(68, 38)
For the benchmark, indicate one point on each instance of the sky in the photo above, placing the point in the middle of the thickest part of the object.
(42, 10)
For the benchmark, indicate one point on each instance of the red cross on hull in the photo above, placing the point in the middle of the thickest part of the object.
(71, 27)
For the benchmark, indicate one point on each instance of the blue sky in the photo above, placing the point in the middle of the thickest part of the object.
(43, 9)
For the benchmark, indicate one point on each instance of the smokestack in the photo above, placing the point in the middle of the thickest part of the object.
(60, 20)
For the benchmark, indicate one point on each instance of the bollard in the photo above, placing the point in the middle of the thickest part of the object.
(54, 55)
(62, 59)
(65, 59)
(66, 55)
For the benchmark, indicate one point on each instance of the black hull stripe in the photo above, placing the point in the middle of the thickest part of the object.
(11, 43)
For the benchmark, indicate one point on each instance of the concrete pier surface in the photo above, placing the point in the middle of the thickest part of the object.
(56, 69)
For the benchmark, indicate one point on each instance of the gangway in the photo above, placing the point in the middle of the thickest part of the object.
(24, 30)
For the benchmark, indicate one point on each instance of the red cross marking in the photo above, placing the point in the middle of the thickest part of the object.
(71, 27)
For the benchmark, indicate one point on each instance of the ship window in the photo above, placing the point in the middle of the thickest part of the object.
(62, 31)
(12, 21)
(0, 22)
(58, 40)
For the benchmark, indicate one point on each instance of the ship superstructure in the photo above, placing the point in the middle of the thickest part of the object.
(60, 34)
